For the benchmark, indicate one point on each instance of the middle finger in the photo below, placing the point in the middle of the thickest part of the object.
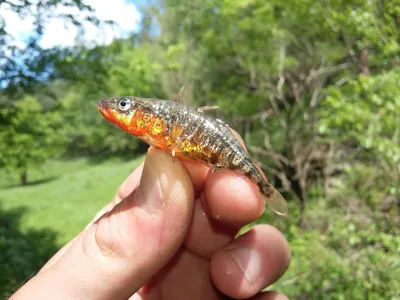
(227, 202)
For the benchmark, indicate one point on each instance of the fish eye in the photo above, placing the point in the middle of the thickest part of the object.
(124, 104)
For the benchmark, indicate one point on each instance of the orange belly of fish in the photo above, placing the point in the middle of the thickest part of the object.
(154, 131)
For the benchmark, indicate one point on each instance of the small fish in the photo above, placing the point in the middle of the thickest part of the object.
(188, 133)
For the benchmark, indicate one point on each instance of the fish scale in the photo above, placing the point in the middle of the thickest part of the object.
(188, 133)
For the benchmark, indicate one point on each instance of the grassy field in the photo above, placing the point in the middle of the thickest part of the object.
(37, 219)
(64, 195)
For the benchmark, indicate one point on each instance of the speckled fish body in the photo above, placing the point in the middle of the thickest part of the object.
(188, 133)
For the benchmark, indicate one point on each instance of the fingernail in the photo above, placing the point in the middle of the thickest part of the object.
(149, 196)
(248, 260)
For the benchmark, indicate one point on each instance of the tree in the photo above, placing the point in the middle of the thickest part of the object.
(268, 64)
(29, 136)
(23, 67)
(121, 68)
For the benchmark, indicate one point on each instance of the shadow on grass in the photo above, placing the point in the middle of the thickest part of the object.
(22, 253)
(32, 183)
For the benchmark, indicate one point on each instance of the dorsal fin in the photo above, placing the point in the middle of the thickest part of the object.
(205, 108)
(177, 98)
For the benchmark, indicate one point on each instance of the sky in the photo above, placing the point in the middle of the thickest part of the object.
(57, 33)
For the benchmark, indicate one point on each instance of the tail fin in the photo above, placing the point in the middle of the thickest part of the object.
(272, 197)
(275, 200)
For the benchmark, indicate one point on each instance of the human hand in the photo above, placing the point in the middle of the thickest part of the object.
(155, 241)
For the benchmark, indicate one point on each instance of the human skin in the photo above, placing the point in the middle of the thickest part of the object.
(173, 236)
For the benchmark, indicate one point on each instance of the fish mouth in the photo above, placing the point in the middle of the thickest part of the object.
(102, 104)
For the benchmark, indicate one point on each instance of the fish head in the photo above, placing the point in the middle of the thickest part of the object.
(118, 110)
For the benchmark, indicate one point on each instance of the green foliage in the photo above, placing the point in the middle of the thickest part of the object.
(119, 69)
(29, 135)
(133, 72)
(367, 110)
(365, 114)
(321, 270)
(87, 131)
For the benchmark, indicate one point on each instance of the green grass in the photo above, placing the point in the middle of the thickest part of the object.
(65, 195)
(37, 219)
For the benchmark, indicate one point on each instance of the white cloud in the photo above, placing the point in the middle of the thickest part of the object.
(59, 33)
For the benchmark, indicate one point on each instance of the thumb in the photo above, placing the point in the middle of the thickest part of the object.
(120, 252)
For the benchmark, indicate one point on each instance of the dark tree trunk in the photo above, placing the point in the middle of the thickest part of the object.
(24, 177)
